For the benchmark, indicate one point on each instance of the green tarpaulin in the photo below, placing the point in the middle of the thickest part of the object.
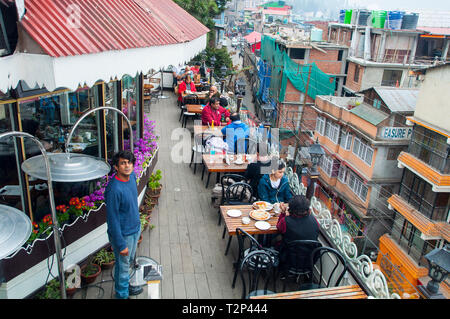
(284, 68)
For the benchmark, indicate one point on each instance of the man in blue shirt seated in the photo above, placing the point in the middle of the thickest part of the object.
(234, 132)
(122, 218)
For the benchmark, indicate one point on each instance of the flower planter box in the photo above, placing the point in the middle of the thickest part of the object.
(41, 249)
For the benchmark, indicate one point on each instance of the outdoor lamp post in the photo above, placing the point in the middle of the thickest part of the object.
(213, 61)
(223, 72)
(315, 152)
(439, 267)
(240, 91)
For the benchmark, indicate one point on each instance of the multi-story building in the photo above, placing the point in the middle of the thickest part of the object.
(362, 138)
(421, 206)
(385, 57)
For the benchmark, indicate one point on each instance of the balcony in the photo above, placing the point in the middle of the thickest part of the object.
(437, 178)
(435, 159)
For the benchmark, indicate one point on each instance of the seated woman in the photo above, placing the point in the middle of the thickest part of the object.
(274, 187)
(187, 84)
(295, 223)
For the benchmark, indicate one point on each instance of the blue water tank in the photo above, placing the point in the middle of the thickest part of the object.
(394, 20)
(342, 16)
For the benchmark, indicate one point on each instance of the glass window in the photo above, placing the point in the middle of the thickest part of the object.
(10, 187)
(320, 125)
(129, 103)
(50, 118)
(112, 118)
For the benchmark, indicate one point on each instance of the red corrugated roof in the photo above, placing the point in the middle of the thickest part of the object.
(184, 27)
(104, 25)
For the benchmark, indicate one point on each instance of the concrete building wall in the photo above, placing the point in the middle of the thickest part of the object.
(385, 168)
(434, 96)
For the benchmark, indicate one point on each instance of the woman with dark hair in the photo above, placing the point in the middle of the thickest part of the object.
(296, 222)
(186, 85)
(274, 187)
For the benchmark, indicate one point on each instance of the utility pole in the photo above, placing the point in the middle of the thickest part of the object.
(299, 130)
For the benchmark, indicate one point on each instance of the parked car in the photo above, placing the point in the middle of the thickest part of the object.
(234, 42)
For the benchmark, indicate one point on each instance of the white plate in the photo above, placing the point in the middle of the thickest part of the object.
(269, 206)
(238, 162)
(261, 225)
(234, 213)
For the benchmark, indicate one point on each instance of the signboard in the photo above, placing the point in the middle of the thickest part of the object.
(396, 133)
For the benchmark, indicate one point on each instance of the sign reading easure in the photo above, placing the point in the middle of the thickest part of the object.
(396, 133)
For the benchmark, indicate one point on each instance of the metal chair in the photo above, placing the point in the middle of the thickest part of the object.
(225, 181)
(247, 243)
(321, 259)
(199, 147)
(188, 99)
(295, 259)
(257, 263)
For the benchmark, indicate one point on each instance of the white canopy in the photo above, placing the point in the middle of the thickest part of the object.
(74, 71)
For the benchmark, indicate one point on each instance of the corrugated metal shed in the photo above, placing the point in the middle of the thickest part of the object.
(369, 114)
(103, 25)
(398, 99)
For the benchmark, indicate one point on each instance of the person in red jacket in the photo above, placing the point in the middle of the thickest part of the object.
(187, 84)
(213, 112)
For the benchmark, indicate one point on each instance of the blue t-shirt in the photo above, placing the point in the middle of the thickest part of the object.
(122, 212)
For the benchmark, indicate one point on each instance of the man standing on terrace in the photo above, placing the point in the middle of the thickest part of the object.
(122, 218)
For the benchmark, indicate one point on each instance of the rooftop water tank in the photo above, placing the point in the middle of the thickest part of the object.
(378, 18)
(342, 16)
(348, 16)
(394, 20)
(363, 16)
(316, 34)
(409, 21)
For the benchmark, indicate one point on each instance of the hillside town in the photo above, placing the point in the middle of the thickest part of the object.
(234, 149)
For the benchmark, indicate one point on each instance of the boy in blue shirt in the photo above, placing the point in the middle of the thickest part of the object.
(122, 218)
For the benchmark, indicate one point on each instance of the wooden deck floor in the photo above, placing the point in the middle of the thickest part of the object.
(186, 239)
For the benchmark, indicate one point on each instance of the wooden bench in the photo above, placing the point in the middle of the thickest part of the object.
(342, 292)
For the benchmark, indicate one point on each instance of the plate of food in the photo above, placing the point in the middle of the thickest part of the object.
(259, 214)
(239, 161)
(234, 213)
(261, 225)
(262, 205)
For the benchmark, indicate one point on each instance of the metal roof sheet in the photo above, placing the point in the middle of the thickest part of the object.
(183, 26)
(104, 25)
(398, 99)
(369, 114)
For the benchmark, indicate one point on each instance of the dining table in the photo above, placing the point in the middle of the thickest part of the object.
(205, 129)
(340, 292)
(194, 108)
(203, 97)
(231, 223)
(216, 163)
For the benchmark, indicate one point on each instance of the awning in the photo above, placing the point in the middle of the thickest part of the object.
(82, 42)
(86, 69)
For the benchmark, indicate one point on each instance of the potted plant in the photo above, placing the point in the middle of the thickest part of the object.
(90, 271)
(144, 222)
(50, 291)
(154, 185)
(105, 259)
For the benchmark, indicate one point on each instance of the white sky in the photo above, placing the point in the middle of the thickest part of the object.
(411, 5)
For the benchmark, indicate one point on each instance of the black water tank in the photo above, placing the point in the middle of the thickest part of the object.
(409, 21)
(363, 15)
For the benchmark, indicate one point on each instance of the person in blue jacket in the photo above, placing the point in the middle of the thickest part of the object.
(274, 187)
(122, 218)
(235, 131)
